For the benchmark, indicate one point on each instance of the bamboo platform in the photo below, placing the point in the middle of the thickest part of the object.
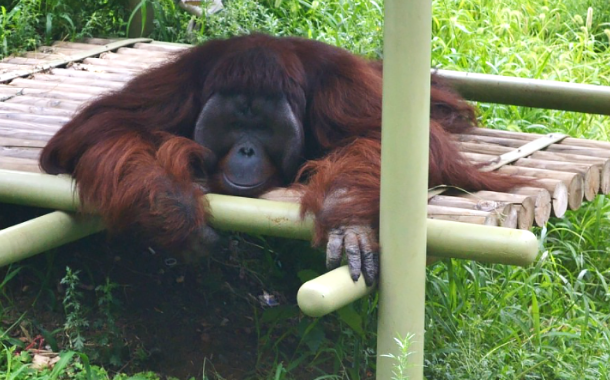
(41, 90)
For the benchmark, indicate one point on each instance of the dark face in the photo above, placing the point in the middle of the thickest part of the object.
(257, 143)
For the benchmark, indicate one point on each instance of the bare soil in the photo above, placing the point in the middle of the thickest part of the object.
(166, 316)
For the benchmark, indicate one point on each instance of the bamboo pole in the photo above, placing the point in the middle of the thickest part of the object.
(488, 218)
(530, 92)
(559, 194)
(542, 203)
(505, 213)
(404, 179)
(259, 216)
(44, 233)
(524, 204)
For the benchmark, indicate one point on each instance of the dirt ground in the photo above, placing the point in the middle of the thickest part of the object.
(166, 316)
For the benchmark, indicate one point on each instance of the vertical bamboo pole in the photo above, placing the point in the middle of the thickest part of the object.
(404, 179)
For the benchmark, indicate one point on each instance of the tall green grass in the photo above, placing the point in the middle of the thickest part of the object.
(549, 321)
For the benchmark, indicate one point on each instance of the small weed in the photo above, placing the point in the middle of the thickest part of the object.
(76, 320)
(401, 360)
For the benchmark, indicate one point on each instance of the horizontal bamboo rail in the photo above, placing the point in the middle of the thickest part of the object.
(530, 92)
(258, 216)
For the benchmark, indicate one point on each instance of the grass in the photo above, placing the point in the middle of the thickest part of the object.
(548, 321)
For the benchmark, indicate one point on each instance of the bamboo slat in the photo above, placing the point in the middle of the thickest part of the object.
(105, 69)
(20, 152)
(602, 163)
(10, 92)
(54, 79)
(144, 53)
(59, 86)
(44, 102)
(107, 77)
(34, 110)
(135, 65)
(132, 58)
(9, 142)
(591, 173)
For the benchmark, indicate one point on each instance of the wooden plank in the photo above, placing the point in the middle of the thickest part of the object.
(77, 81)
(124, 64)
(20, 152)
(8, 92)
(67, 105)
(144, 53)
(34, 110)
(57, 50)
(524, 151)
(96, 50)
(532, 136)
(106, 69)
(25, 134)
(22, 142)
(20, 164)
(24, 62)
(32, 121)
(160, 47)
(101, 41)
(512, 143)
(33, 83)
(73, 73)
(44, 56)
(133, 58)
(9, 67)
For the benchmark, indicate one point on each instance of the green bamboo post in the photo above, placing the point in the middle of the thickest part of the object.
(404, 180)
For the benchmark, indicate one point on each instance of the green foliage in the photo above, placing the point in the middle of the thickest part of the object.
(28, 23)
(74, 309)
(548, 321)
(401, 361)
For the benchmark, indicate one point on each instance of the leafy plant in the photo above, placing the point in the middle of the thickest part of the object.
(75, 313)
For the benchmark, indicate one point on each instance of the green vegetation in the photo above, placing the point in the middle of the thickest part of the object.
(549, 321)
